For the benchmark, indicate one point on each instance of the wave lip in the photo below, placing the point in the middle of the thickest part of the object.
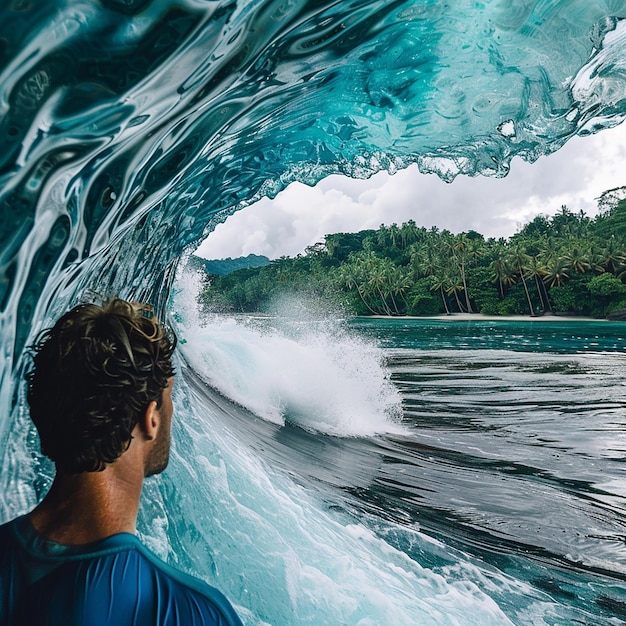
(323, 383)
(297, 370)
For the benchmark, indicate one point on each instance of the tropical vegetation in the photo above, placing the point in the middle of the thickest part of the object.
(566, 264)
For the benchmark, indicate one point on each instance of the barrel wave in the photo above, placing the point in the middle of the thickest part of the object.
(130, 128)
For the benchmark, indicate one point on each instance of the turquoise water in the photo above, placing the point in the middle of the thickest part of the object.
(487, 483)
(517, 450)
(129, 128)
(553, 335)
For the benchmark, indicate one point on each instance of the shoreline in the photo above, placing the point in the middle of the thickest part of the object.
(465, 317)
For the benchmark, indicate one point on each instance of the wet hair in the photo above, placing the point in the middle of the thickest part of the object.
(93, 375)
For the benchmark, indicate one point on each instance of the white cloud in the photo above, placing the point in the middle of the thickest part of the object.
(299, 216)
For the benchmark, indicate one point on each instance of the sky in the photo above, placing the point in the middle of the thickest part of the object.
(300, 215)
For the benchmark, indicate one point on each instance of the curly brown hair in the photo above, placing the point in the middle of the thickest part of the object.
(93, 375)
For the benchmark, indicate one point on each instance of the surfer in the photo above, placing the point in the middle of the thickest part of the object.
(100, 395)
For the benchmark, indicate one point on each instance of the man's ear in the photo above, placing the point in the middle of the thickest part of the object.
(151, 421)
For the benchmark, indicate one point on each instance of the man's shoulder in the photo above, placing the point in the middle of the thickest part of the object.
(139, 583)
(187, 586)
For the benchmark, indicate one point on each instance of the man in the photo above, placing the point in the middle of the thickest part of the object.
(100, 395)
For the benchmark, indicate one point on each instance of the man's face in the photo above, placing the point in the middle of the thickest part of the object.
(160, 453)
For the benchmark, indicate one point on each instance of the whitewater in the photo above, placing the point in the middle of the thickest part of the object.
(320, 475)
(489, 488)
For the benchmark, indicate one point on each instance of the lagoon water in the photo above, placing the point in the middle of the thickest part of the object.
(482, 482)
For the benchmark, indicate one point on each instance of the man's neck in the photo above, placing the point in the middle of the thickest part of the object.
(83, 508)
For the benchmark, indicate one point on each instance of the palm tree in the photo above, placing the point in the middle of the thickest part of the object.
(460, 247)
(394, 234)
(501, 270)
(555, 272)
(564, 222)
(374, 278)
(613, 255)
(350, 275)
(519, 260)
(549, 249)
(409, 233)
(454, 285)
(536, 270)
(596, 259)
(577, 258)
(425, 260)
(378, 283)
(621, 272)
(440, 283)
(399, 282)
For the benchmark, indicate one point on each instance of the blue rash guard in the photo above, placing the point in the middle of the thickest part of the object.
(113, 582)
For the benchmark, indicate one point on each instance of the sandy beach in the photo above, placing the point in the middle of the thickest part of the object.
(463, 317)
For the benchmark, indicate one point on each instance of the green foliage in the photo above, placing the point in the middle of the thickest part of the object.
(563, 299)
(507, 306)
(613, 223)
(491, 306)
(481, 287)
(226, 266)
(606, 285)
(422, 304)
(616, 306)
(422, 300)
(341, 245)
(566, 263)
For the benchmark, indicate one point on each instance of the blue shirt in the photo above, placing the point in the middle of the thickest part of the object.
(113, 582)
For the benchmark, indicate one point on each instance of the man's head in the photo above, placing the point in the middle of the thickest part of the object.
(94, 375)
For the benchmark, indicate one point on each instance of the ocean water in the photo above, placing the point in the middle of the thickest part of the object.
(486, 483)
(130, 128)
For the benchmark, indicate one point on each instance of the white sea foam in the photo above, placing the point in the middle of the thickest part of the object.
(291, 367)
(273, 546)
(267, 542)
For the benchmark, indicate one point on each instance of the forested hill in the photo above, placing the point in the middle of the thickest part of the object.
(221, 267)
(568, 264)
